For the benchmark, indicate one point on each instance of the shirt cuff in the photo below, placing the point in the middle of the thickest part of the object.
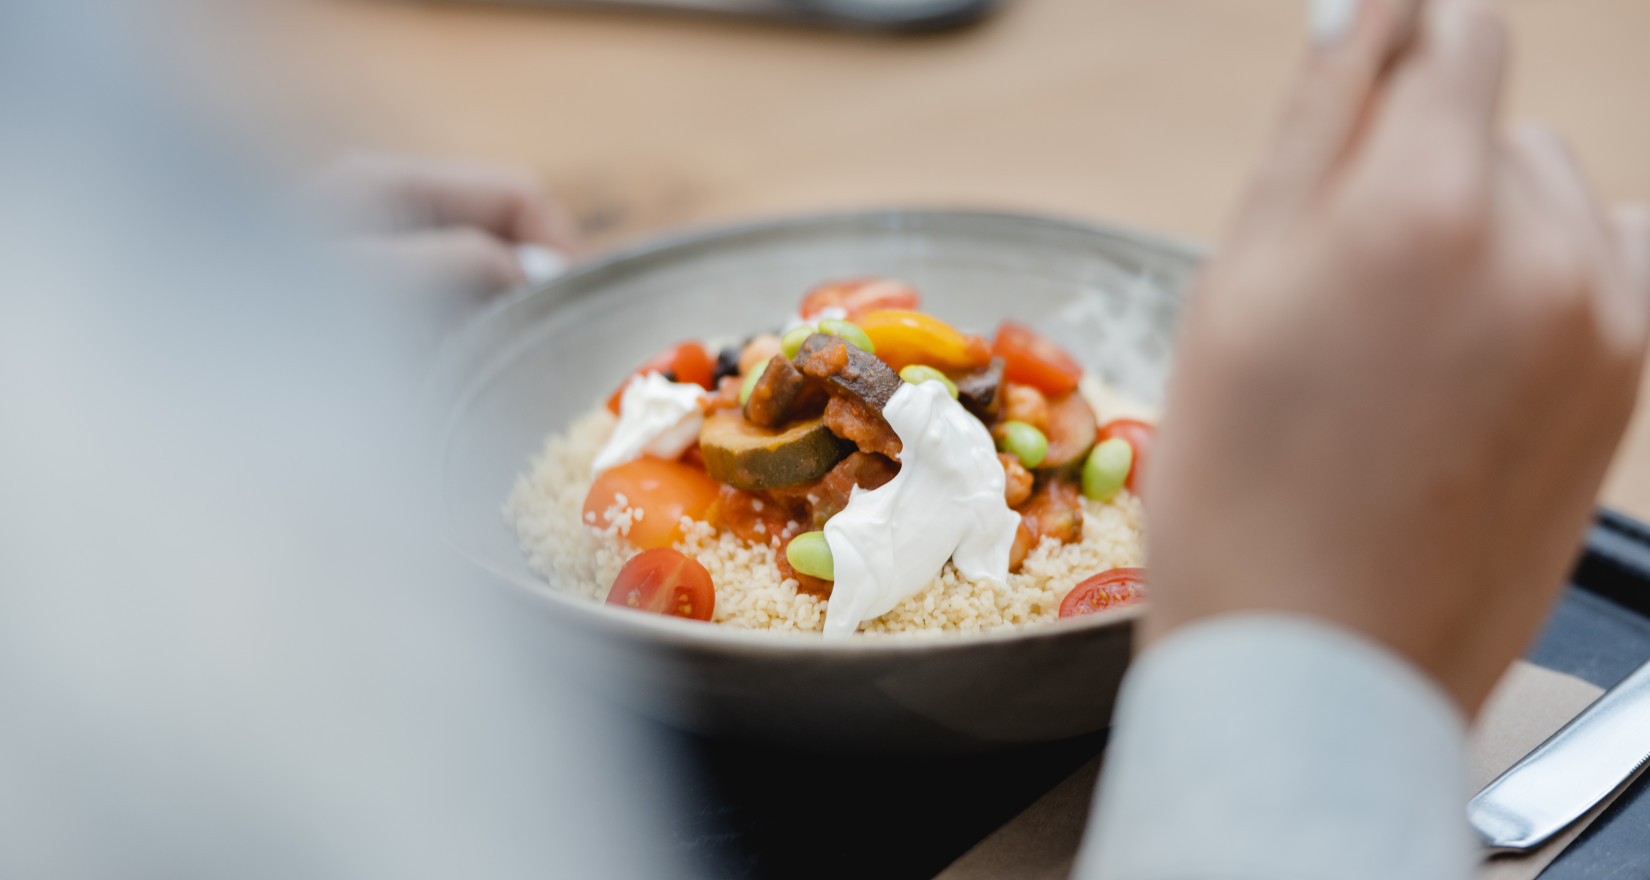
(1276, 747)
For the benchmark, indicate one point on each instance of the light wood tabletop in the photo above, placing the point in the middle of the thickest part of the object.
(1142, 112)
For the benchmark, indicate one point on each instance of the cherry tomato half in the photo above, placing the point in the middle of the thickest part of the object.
(685, 362)
(856, 296)
(1108, 589)
(1138, 435)
(1032, 360)
(665, 581)
(662, 492)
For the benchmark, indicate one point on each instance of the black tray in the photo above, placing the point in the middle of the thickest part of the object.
(760, 813)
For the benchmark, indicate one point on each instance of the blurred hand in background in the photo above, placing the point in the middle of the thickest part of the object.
(459, 227)
(1404, 375)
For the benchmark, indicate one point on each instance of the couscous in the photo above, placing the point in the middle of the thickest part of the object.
(924, 479)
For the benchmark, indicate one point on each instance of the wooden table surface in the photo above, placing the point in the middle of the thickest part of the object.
(1144, 112)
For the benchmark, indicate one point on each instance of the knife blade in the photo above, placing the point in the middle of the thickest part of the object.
(1597, 752)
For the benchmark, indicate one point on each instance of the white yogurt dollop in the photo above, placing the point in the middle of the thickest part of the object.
(656, 417)
(945, 503)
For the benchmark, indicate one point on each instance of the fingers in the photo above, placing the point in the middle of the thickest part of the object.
(1551, 168)
(1437, 123)
(1606, 252)
(458, 226)
(1330, 97)
(1630, 228)
(502, 201)
(384, 193)
(461, 259)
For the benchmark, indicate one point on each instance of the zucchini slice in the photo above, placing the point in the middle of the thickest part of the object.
(746, 456)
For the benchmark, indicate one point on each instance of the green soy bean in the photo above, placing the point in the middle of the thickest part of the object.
(751, 378)
(1025, 441)
(850, 332)
(1107, 468)
(917, 374)
(810, 554)
(791, 342)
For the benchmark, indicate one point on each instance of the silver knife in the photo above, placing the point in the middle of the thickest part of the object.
(1598, 752)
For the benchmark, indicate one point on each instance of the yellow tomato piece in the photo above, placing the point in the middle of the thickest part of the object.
(903, 338)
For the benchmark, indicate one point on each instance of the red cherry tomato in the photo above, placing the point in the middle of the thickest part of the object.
(1108, 589)
(665, 581)
(662, 491)
(1139, 436)
(1032, 360)
(857, 296)
(686, 362)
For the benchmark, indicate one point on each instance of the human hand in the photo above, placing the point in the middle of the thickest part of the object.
(1402, 378)
(460, 227)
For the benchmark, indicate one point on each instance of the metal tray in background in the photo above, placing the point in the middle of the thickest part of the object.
(742, 819)
(876, 15)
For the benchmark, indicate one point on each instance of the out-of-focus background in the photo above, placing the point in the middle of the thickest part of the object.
(1146, 112)
(200, 677)
(1143, 112)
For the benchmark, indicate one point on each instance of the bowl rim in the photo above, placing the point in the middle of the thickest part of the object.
(683, 633)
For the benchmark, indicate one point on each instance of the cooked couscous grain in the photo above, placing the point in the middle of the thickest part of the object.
(546, 509)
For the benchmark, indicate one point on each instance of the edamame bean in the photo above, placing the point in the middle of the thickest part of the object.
(751, 378)
(917, 374)
(811, 555)
(850, 332)
(1024, 441)
(1107, 468)
(791, 342)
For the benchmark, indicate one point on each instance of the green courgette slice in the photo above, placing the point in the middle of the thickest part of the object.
(746, 456)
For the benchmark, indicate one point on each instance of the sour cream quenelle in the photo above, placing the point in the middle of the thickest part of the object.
(657, 417)
(946, 502)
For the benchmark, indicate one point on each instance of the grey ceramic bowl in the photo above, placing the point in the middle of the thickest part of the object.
(529, 365)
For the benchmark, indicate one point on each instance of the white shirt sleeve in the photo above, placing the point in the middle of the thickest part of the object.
(1269, 747)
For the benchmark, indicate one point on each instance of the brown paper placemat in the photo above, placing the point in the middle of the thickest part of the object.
(1527, 706)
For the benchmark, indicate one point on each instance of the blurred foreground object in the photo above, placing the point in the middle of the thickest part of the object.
(894, 15)
(1399, 384)
(227, 647)
(1403, 377)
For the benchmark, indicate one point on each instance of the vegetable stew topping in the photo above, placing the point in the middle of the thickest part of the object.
(794, 422)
